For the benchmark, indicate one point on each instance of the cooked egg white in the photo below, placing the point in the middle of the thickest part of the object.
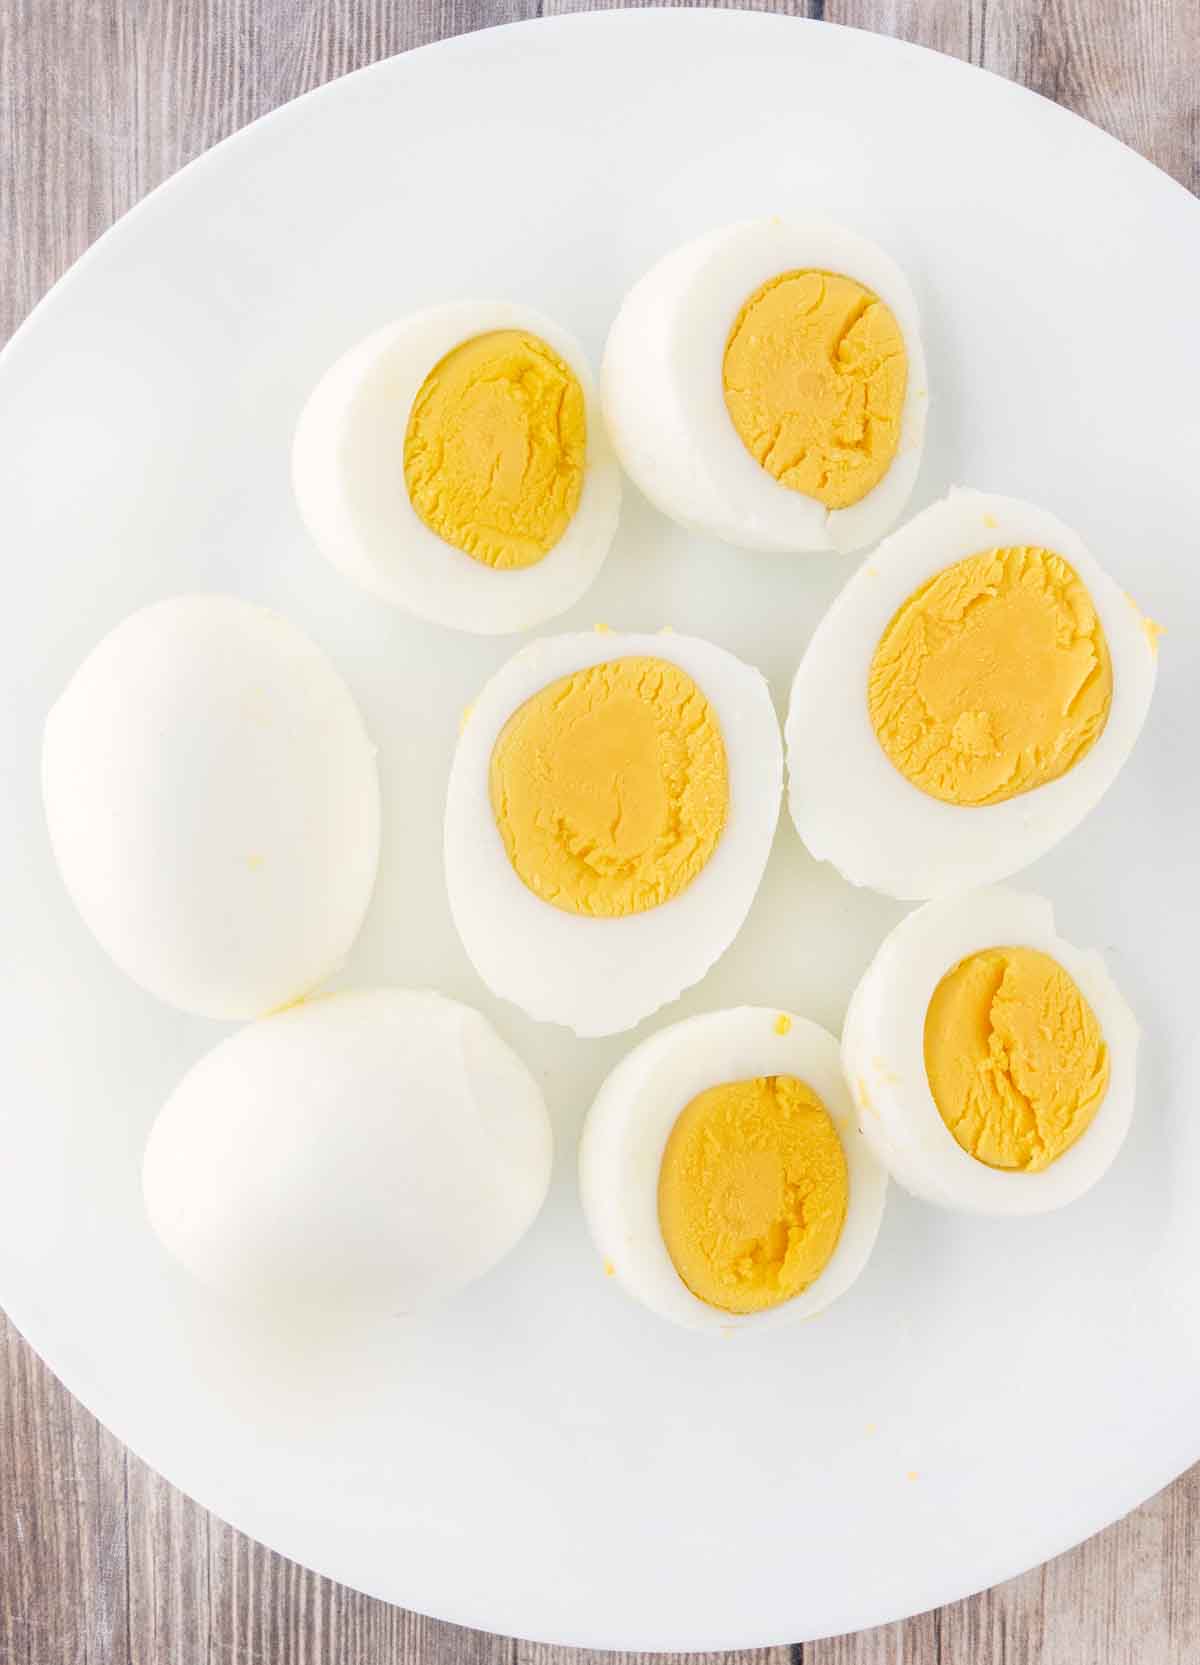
(724, 1178)
(213, 804)
(766, 383)
(456, 463)
(611, 806)
(993, 1063)
(367, 1152)
(967, 699)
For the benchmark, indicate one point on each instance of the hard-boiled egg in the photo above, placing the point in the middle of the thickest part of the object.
(611, 806)
(724, 1177)
(967, 699)
(993, 1063)
(456, 463)
(213, 804)
(366, 1152)
(766, 383)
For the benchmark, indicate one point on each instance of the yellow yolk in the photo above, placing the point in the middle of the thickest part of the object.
(610, 787)
(752, 1192)
(993, 678)
(495, 449)
(1015, 1058)
(815, 372)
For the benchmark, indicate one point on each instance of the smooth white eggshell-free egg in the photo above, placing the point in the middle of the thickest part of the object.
(366, 1152)
(883, 1051)
(348, 477)
(213, 804)
(626, 1134)
(853, 807)
(661, 383)
(601, 976)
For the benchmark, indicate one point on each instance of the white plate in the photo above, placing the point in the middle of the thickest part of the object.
(542, 1456)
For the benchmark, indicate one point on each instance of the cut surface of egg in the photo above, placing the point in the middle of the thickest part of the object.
(993, 1063)
(212, 799)
(456, 463)
(766, 383)
(969, 696)
(611, 806)
(724, 1177)
(367, 1152)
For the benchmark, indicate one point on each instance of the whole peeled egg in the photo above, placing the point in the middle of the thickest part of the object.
(456, 464)
(724, 1176)
(994, 1064)
(212, 799)
(367, 1152)
(766, 383)
(611, 806)
(968, 698)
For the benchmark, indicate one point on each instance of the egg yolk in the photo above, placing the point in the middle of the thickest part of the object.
(1015, 1058)
(610, 787)
(815, 372)
(752, 1192)
(496, 447)
(992, 679)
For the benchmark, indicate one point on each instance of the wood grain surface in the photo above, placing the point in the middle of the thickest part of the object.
(102, 1561)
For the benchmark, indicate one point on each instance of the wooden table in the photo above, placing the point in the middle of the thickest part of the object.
(99, 1559)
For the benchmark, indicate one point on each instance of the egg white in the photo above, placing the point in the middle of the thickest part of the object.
(883, 1052)
(348, 478)
(367, 1152)
(626, 1134)
(212, 799)
(661, 384)
(850, 804)
(601, 976)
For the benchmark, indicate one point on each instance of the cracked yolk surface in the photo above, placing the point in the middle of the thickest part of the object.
(496, 446)
(815, 372)
(992, 679)
(1015, 1057)
(752, 1192)
(610, 787)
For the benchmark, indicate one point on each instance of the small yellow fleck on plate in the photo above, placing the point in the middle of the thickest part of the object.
(610, 1270)
(782, 1024)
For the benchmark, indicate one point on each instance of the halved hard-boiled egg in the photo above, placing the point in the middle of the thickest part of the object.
(456, 463)
(967, 699)
(366, 1152)
(724, 1177)
(212, 798)
(993, 1063)
(766, 383)
(611, 806)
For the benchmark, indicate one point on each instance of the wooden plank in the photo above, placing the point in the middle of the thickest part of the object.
(63, 1558)
(536, 1653)
(952, 26)
(784, 8)
(914, 1642)
(100, 102)
(1133, 69)
(99, 1559)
